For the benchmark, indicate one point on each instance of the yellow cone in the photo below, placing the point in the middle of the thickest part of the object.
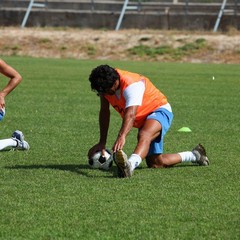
(184, 129)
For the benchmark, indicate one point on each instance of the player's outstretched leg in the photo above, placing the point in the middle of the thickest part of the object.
(19, 138)
(123, 165)
(201, 156)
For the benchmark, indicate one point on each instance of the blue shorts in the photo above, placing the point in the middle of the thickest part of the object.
(164, 117)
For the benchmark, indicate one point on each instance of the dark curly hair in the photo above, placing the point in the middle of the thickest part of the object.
(102, 78)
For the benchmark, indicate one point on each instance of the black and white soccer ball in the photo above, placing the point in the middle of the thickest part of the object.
(98, 161)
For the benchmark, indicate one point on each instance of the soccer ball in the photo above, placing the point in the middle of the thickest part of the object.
(101, 162)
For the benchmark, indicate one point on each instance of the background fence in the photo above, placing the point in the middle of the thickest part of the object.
(167, 14)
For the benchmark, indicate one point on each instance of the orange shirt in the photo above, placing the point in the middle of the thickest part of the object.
(152, 98)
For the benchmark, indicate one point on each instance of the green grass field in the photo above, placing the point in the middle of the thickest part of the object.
(51, 193)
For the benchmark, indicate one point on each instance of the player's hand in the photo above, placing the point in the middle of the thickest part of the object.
(2, 101)
(96, 148)
(119, 144)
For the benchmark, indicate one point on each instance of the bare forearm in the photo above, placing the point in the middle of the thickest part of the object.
(126, 127)
(12, 74)
(127, 124)
(104, 119)
(10, 86)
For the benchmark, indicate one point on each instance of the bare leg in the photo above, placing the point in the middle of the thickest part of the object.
(163, 160)
(147, 134)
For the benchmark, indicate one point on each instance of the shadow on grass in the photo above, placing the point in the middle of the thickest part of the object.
(183, 165)
(74, 168)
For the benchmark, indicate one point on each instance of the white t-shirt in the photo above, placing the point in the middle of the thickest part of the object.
(133, 95)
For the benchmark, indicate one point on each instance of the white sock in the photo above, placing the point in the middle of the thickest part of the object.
(187, 156)
(135, 161)
(4, 143)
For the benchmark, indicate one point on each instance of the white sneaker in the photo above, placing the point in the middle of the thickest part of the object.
(19, 138)
(123, 165)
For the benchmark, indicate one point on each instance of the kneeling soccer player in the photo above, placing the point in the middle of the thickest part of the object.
(143, 106)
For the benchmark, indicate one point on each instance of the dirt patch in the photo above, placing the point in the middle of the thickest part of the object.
(117, 45)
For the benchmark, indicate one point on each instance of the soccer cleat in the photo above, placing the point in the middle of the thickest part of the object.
(123, 165)
(201, 156)
(19, 138)
(18, 135)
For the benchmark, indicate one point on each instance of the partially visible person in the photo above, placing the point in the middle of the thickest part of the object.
(17, 140)
(143, 106)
